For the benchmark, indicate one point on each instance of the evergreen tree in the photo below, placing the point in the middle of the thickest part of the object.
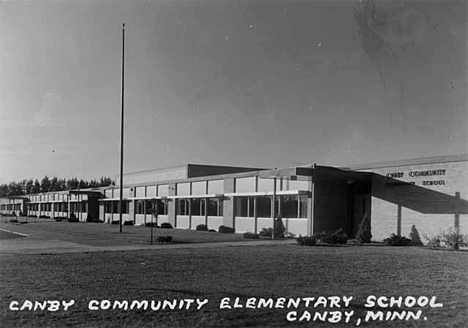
(364, 234)
(54, 184)
(45, 184)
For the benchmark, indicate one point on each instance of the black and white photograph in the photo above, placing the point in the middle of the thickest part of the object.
(233, 163)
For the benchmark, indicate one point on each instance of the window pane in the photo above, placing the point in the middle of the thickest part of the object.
(162, 207)
(163, 190)
(140, 207)
(198, 207)
(182, 207)
(199, 188)
(295, 185)
(289, 206)
(241, 206)
(183, 189)
(303, 206)
(140, 191)
(264, 207)
(245, 184)
(266, 184)
(215, 206)
(216, 187)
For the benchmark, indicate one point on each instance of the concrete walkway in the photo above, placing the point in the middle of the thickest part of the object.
(31, 246)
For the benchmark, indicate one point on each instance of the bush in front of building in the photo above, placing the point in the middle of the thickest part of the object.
(337, 237)
(251, 235)
(73, 219)
(414, 236)
(279, 227)
(266, 232)
(166, 225)
(44, 217)
(202, 227)
(397, 240)
(226, 229)
(151, 224)
(307, 241)
(450, 238)
(32, 216)
(364, 234)
(128, 223)
(164, 239)
(115, 222)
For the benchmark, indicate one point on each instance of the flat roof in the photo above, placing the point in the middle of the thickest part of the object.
(408, 162)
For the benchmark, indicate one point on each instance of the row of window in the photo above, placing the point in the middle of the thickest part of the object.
(59, 207)
(10, 207)
(253, 184)
(287, 206)
(199, 207)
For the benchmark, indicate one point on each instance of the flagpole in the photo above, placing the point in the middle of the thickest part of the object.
(122, 96)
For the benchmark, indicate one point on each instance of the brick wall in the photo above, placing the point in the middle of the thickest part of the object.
(430, 196)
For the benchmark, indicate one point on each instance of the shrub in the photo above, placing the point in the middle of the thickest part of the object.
(72, 215)
(225, 229)
(307, 241)
(337, 237)
(202, 227)
(44, 217)
(266, 232)
(212, 230)
(164, 239)
(433, 242)
(115, 221)
(166, 225)
(414, 236)
(13, 221)
(151, 224)
(250, 235)
(128, 223)
(279, 227)
(397, 240)
(453, 239)
(70, 219)
(364, 234)
(32, 216)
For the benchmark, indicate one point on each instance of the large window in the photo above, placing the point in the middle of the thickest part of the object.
(244, 206)
(140, 207)
(198, 207)
(289, 206)
(215, 207)
(162, 207)
(182, 207)
(264, 207)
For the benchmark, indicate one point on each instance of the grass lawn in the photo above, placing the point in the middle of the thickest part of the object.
(245, 272)
(102, 234)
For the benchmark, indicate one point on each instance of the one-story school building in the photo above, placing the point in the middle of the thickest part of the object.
(430, 193)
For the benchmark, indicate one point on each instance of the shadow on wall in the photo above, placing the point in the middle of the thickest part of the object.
(417, 198)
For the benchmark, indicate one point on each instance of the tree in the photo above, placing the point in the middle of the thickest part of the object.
(36, 188)
(29, 187)
(54, 184)
(364, 234)
(45, 184)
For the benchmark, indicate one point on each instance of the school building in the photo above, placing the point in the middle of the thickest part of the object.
(430, 193)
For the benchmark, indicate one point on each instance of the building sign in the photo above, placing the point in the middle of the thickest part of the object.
(415, 174)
